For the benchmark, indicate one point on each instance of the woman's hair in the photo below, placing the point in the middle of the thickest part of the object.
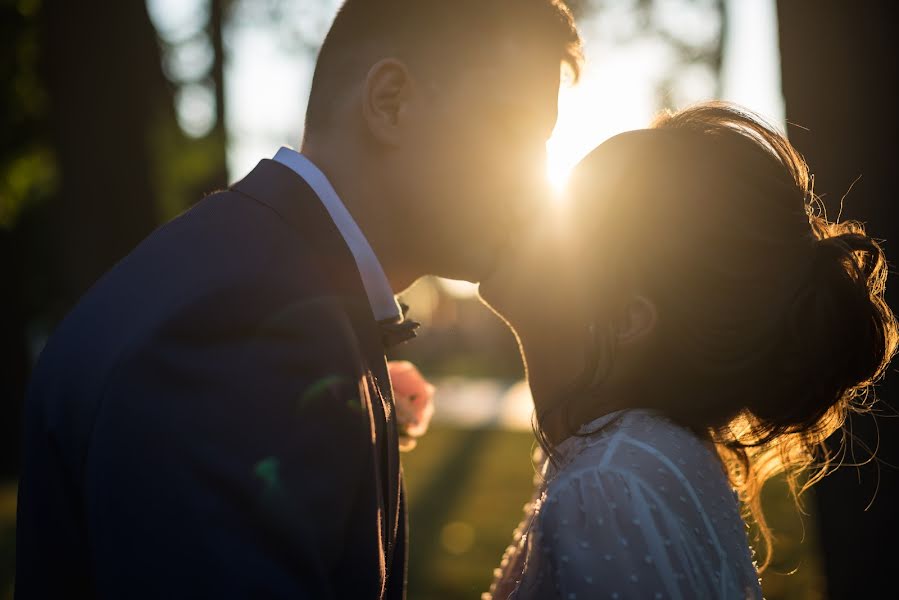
(772, 321)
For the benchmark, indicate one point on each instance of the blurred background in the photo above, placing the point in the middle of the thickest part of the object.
(120, 114)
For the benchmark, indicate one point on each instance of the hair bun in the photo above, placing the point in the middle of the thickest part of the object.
(861, 255)
(839, 334)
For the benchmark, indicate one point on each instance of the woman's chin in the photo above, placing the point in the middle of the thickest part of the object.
(487, 292)
(493, 295)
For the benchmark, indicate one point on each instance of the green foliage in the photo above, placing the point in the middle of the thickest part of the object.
(27, 163)
(26, 179)
(184, 168)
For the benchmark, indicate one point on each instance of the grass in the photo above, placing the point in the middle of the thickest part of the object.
(466, 490)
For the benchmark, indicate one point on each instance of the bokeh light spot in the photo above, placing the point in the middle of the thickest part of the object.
(319, 387)
(267, 471)
(457, 537)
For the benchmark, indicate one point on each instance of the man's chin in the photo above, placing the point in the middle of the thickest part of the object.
(492, 297)
(490, 292)
(484, 291)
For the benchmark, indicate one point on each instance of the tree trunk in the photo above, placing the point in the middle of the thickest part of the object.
(838, 76)
(106, 87)
(217, 16)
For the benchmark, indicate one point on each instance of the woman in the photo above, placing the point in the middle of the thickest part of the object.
(690, 327)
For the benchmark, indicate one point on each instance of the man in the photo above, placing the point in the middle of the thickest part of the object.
(215, 417)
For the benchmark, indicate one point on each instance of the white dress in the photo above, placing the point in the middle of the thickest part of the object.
(640, 509)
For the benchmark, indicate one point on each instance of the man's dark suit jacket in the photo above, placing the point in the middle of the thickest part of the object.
(214, 419)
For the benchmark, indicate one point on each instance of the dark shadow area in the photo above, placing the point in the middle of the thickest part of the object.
(839, 80)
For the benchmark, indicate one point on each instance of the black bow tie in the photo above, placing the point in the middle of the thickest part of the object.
(394, 333)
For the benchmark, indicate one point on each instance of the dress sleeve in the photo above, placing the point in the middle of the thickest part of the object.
(609, 534)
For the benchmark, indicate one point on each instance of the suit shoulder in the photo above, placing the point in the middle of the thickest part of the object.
(221, 260)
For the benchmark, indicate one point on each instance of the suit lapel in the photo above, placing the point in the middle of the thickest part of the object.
(288, 195)
(391, 459)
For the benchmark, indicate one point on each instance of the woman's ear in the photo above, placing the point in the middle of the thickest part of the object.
(385, 98)
(638, 320)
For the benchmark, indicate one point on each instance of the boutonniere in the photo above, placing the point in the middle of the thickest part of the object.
(413, 397)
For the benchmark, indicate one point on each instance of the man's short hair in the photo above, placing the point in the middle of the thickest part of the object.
(425, 33)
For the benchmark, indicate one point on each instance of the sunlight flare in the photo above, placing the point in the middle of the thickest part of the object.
(580, 128)
(561, 157)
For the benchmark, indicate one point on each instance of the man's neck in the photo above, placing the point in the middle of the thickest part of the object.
(362, 195)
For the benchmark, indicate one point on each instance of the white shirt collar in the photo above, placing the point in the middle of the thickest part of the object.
(377, 287)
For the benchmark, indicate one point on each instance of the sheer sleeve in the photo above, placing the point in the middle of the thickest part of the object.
(641, 509)
(621, 534)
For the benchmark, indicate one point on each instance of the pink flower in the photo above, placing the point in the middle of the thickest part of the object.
(413, 397)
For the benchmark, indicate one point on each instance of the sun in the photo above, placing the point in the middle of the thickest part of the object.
(562, 154)
(577, 131)
(593, 110)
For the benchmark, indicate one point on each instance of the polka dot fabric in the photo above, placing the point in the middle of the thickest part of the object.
(641, 508)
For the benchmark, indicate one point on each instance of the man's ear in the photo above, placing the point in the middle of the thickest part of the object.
(638, 320)
(385, 98)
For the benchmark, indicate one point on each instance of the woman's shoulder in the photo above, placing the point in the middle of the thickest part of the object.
(642, 503)
(637, 447)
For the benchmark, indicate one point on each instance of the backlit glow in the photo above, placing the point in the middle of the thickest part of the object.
(591, 111)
